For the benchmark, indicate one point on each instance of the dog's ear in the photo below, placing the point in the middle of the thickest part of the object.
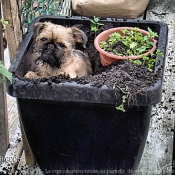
(38, 27)
(79, 36)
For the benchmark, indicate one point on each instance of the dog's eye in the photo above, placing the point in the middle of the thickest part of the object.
(61, 45)
(43, 39)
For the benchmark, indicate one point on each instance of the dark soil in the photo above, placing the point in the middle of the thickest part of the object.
(128, 76)
(119, 47)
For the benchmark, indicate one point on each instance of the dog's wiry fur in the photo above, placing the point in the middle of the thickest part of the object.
(58, 55)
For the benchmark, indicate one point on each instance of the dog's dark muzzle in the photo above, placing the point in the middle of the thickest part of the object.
(48, 50)
(48, 55)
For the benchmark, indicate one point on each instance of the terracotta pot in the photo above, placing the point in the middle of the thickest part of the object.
(106, 57)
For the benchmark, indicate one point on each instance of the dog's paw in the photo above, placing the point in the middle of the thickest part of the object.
(31, 74)
(72, 74)
(68, 74)
(62, 73)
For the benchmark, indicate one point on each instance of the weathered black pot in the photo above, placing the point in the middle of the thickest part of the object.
(70, 126)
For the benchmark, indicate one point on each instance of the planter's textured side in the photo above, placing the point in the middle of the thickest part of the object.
(77, 136)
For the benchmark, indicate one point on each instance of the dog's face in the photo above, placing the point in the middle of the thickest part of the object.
(56, 42)
(55, 52)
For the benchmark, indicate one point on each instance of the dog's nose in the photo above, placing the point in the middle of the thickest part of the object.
(50, 46)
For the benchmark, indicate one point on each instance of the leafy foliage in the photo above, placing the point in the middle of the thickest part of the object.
(5, 72)
(135, 42)
(138, 62)
(121, 106)
(95, 24)
(124, 97)
(4, 22)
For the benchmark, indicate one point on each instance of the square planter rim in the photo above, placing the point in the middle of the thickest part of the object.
(83, 93)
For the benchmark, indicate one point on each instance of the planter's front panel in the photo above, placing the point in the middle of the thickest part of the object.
(74, 136)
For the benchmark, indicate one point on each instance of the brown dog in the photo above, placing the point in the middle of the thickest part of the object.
(56, 53)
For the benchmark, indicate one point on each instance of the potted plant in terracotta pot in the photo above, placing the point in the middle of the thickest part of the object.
(125, 43)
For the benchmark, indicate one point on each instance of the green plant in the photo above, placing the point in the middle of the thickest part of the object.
(133, 42)
(5, 72)
(124, 97)
(149, 60)
(95, 24)
(138, 62)
(4, 22)
(121, 106)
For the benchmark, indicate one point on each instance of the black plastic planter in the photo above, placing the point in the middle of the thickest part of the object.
(75, 129)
